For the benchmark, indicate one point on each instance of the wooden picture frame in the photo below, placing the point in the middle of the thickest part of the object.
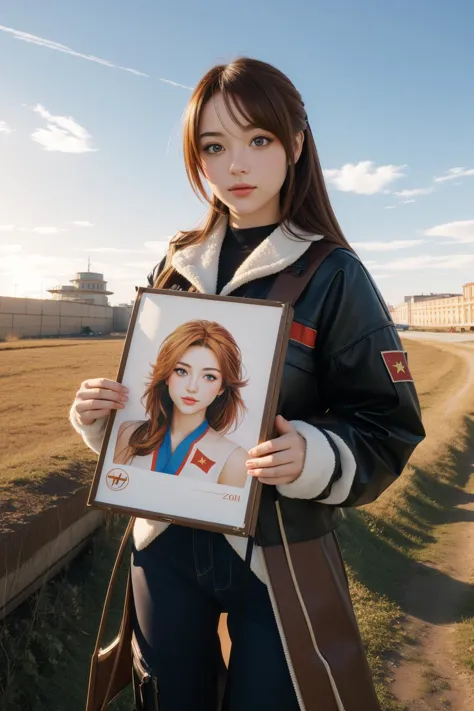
(199, 481)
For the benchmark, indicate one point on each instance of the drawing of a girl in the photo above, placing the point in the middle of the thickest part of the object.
(192, 400)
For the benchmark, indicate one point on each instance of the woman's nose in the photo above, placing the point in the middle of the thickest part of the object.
(237, 168)
(192, 386)
(238, 165)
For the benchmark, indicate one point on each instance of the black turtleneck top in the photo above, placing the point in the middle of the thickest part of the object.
(236, 247)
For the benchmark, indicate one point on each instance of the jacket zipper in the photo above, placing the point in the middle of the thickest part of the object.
(286, 651)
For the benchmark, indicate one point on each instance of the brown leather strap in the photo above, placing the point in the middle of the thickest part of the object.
(113, 580)
(327, 654)
(288, 287)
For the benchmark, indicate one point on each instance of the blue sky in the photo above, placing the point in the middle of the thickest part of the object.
(91, 102)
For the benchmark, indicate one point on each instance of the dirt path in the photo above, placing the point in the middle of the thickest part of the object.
(426, 677)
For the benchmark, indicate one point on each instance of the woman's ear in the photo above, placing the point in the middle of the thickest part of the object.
(299, 140)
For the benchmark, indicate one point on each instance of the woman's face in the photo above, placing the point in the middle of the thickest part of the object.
(231, 155)
(196, 380)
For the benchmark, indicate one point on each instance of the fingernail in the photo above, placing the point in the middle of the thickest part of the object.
(252, 453)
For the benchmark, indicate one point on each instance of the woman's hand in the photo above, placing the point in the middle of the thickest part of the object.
(280, 460)
(96, 398)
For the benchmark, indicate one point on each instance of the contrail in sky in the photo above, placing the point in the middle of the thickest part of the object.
(50, 44)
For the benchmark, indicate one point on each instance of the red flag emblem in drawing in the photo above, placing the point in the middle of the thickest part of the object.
(202, 462)
(397, 366)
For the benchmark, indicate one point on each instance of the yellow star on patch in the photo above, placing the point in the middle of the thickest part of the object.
(400, 367)
(202, 460)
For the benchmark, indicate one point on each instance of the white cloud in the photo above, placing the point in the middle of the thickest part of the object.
(82, 223)
(406, 202)
(461, 231)
(144, 267)
(50, 44)
(455, 173)
(33, 273)
(453, 261)
(158, 247)
(5, 128)
(155, 248)
(48, 230)
(390, 207)
(388, 246)
(62, 133)
(110, 250)
(382, 276)
(7, 228)
(364, 178)
(10, 248)
(414, 192)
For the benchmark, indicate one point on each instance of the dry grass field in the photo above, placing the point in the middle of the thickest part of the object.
(391, 547)
(42, 457)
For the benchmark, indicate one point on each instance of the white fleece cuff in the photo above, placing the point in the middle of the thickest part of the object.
(93, 434)
(318, 468)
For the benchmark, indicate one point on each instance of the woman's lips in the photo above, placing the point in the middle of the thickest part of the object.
(189, 400)
(242, 192)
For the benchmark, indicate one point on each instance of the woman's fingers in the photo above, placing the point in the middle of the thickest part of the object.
(270, 446)
(276, 475)
(86, 405)
(271, 460)
(94, 383)
(102, 394)
(97, 397)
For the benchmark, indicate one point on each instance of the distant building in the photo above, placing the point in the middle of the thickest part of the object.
(78, 308)
(87, 287)
(437, 310)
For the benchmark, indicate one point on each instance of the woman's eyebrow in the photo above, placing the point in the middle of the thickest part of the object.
(186, 365)
(247, 128)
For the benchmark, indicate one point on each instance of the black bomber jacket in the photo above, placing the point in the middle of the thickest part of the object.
(347, 377)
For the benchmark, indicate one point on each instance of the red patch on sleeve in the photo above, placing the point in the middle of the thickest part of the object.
(303, 334)
(397, 366)
(202, 462)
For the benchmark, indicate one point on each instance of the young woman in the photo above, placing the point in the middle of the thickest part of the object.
(193, 398)
(348, 421)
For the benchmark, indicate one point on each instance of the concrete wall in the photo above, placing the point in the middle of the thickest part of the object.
(35, 318)
(33, 552)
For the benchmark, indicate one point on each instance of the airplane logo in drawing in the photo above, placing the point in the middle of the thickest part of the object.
(117, 479)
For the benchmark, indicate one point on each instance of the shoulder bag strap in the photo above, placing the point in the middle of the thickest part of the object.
(288, 287)
(113, 580)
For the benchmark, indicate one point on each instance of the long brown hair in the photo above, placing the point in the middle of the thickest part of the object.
(226, 410)
(267, 99)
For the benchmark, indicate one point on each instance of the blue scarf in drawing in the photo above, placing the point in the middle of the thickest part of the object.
(168, 462)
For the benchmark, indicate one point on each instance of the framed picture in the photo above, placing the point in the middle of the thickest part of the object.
(203, 374)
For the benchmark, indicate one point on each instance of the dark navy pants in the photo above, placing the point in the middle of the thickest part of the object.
(181, 583)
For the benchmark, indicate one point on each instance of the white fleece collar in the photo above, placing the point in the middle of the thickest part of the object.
(199, 263)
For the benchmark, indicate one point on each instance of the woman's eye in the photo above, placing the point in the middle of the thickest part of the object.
(180, 371)
(207, 150)
(262, 138)
(210, 377)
